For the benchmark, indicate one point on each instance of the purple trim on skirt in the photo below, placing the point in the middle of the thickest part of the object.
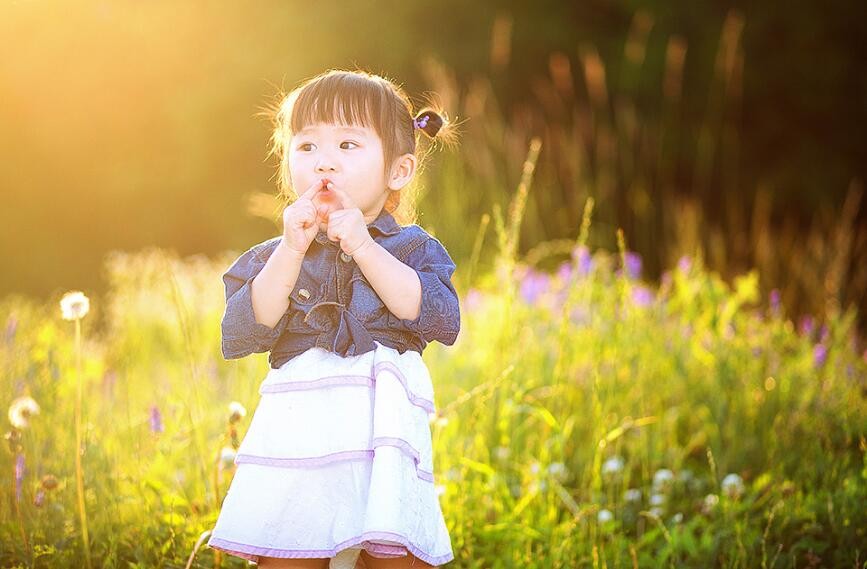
(253, 552)
(313, 461)
(417, 400)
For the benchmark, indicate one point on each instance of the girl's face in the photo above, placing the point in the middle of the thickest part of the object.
(349, 156)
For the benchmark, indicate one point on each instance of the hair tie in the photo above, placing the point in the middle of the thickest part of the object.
(420, 123)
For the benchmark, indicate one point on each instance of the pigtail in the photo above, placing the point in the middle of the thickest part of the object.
(436, 125)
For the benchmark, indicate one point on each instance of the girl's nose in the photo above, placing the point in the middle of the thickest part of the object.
(325, 164)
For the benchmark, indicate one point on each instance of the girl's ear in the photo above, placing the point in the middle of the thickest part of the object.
(402, 171)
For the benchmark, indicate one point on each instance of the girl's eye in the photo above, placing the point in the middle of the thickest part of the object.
(306, 144)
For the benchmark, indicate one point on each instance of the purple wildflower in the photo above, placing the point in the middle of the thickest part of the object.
(156, 420)
(533, 284)
(823, 333)
(633, 265)
(564, 272)
(806, 325)
(775, 301)
(19, 474)
(642, 296)
(473, 299)
(39, 499)
(585, 261)
(820, 354)
(684, 264)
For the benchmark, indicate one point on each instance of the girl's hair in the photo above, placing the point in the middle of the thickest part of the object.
(359, 98)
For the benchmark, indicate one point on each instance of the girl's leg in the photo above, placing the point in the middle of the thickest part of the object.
(279, 563)
(408, 562)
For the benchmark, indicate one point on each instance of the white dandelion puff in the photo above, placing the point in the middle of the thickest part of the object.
(662, 478)
(657, 499)
(227, 457)
(604, 516)
(557, 470)
(613, 465)
(535, 466)
(677, 518)
(74, 305)
(657, 511)
(20, 411)
(732, 485)
(632, 495)
(236, 412)
(710, 503)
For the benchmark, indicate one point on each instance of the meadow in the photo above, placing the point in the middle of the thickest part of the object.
(585, 418)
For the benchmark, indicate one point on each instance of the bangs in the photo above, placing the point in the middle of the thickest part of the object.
(339, 99)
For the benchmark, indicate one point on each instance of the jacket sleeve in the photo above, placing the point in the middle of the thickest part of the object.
(241, 333)
(439, 317)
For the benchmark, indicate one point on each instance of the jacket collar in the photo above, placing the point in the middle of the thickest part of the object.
(384, 223)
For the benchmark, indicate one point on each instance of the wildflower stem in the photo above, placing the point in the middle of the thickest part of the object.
(79, 474)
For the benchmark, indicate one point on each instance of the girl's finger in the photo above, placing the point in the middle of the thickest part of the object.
(311, 191)
(345, 199)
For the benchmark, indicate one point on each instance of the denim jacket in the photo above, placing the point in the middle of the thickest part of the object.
(333, 306)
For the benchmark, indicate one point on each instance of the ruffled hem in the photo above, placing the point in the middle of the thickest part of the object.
(380, 550)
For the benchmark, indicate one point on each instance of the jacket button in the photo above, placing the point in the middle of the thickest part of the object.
(345, 257)
(304, 293)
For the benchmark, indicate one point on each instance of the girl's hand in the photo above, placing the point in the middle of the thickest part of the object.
(302, 217)
(347, 225)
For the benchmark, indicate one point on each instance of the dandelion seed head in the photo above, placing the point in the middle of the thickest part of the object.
(662, 479)
(657, 499)
(710, 503)
(604, 516)
(20, 411)
(613, 465)
(74, 305)
(632, 495)
(557, 470)
(236, 412)
(227, 457)
(535, 466)
(732, 485)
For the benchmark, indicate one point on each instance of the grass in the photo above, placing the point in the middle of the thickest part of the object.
(586, 419)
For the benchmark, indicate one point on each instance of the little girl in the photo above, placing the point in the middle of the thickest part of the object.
(337, 461)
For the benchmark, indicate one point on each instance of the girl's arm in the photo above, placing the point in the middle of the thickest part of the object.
(418, 291)
(397, 284)
(248, 325)
(271, 287)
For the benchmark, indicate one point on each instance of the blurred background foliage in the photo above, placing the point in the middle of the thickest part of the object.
(731, 128)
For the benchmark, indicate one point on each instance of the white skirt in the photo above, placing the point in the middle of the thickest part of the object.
(337, 458)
